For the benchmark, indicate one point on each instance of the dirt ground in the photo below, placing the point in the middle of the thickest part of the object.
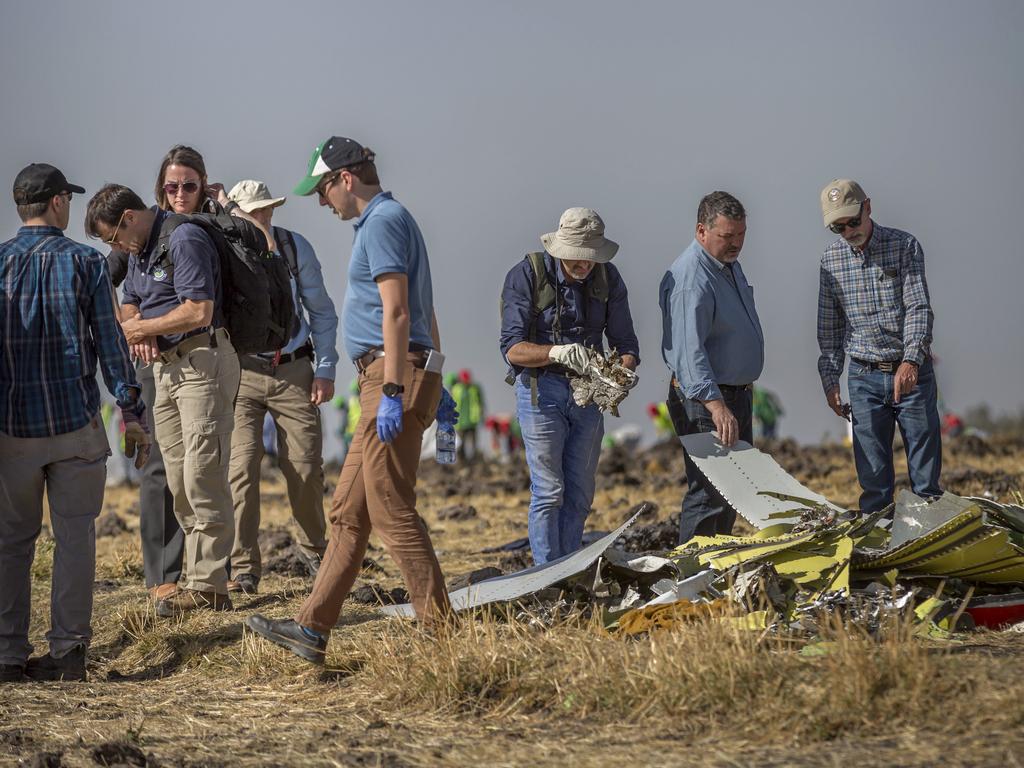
(201, 692)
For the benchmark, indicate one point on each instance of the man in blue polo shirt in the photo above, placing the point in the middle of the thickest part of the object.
(391, 335)
(713, 344)
(171, 315)
(59, 320)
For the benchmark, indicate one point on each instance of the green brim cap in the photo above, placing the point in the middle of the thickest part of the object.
(316, 170)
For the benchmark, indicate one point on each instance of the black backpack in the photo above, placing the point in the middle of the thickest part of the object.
(257, 296)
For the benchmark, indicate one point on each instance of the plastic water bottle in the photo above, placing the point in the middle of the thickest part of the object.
(444, 452)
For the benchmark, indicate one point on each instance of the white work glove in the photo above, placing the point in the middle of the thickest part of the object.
(575, 357)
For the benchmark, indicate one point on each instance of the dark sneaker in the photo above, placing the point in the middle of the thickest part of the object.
(245, 583)
(290, 635)
(192, 600)
(11, 673)
(311, 559)
(70, 666)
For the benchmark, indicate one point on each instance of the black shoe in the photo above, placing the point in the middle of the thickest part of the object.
(12, 673)
(70, 666)
(245, 583)
(288, 634)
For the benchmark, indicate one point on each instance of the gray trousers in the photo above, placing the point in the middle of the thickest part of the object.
(72, 469)
(163, 541)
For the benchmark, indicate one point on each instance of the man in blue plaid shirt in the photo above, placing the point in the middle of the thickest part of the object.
(873, 305)
(58, 318)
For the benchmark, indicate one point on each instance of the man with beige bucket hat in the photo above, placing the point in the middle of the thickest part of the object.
(289, 384)
(557, 305)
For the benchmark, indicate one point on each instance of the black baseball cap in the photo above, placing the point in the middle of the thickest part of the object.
(39, 182)
(335, 153)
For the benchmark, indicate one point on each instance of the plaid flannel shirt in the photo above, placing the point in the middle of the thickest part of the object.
(57, 318)
(873, 304)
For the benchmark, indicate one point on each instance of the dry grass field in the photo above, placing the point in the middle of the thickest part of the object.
(499, 692)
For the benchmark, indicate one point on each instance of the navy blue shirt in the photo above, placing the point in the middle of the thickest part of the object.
(583, 319)
(191, 270)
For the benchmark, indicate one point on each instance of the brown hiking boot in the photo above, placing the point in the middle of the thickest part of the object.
(245, 583)
(190, 600)
(162, 592)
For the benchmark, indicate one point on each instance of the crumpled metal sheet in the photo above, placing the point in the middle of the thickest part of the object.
(606, 383)
(515, 585)
(741, 474)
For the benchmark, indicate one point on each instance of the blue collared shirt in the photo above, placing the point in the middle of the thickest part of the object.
(57, 318)
(583, 319)
(711, 334)
(317, 317)
(873, 304)
(387, 240)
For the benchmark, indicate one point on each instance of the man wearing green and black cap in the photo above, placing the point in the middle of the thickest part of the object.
(392, 338)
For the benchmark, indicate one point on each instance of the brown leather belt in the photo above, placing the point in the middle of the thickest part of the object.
(183, 347)
(418, 357)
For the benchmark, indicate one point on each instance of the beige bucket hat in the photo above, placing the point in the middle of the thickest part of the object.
(251, 195)
(580, 237)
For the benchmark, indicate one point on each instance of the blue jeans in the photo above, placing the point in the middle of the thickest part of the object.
(704, 511)
(563, 444)
(875, 416)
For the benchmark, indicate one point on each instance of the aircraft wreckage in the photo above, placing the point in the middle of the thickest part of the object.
(946, 565)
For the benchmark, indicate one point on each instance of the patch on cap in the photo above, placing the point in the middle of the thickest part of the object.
(833, 194)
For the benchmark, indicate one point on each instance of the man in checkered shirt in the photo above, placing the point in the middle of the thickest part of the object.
(873, 305)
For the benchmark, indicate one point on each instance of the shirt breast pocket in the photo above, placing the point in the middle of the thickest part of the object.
(890, 300)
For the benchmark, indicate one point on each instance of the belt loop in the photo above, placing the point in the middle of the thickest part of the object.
(213, 337)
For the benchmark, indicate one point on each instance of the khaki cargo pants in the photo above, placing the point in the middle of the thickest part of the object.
(194, 415)
(284, 392)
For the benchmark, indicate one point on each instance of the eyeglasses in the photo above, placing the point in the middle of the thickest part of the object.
(113, 238)
(840, 227)
(188, 187)
(325, 183)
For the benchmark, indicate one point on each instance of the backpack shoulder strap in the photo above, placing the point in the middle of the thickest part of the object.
(163, 242)
(286, 241)
(543, 290)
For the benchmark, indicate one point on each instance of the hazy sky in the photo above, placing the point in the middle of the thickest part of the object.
(489, 119)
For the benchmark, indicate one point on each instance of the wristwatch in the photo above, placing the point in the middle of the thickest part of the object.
(391, 390)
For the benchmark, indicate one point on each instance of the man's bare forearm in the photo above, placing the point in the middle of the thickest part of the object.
(526, 354)
(182, 319)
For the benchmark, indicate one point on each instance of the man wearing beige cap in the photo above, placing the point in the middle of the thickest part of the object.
(557, 305)
(290, 385)
(873, 306)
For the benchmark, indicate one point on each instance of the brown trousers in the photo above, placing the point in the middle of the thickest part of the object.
(377, 490)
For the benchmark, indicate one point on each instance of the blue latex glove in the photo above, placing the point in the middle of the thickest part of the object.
(389, 418)
(446, 411)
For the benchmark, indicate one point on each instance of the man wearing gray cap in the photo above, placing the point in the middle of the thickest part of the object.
(557, 307)
(59, 319)
(873, 306)
(289, 384)
(713, 344)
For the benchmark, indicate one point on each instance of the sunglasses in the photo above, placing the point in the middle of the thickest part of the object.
(111, 240)
(840, 227)
(188, 187)
(325, 183)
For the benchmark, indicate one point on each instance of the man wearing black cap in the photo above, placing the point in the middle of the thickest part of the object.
(57, 312)
(392, 338)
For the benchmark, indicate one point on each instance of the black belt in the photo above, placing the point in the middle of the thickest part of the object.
(735, 387)
(268, 363)
(417, 356)
(886, 366)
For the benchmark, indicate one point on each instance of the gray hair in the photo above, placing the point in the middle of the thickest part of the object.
(719, 204)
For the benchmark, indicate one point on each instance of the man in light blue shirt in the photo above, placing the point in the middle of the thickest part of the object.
(713, 344)
(290, 385)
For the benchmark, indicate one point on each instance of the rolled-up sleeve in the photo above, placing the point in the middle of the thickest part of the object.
(323, 318)
(693, 312)
(918, 317)
(619, 325)
(516, 307)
